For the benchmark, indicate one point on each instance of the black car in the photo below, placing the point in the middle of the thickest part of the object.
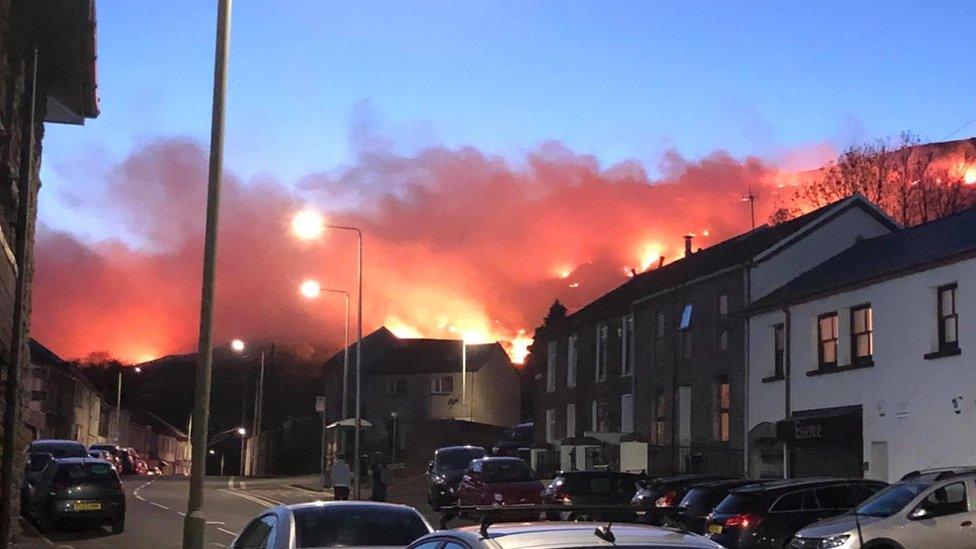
(58, 448)
(668, 491)
(444, 473)
(592, 488)
(79, 489)
(767, 515)
(693, 509)
(514, 439)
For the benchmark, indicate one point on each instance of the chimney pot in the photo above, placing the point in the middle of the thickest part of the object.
(688, 238)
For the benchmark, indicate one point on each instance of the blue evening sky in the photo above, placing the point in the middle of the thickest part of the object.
(615, 79)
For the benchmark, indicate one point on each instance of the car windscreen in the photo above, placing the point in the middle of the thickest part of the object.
(737, 503)
(79, 473)
(601, 485)
(700, 500)
(508, 470)
(357, 526)
(892, 499)
(457, 460)
(60, 449)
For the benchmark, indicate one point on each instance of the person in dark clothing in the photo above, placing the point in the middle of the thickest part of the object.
(378, 471)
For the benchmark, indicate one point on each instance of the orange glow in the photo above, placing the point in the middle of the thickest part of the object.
(650, 255)
(520, 347)
(310, 289)
(969, 177)
(307, 224)
(563, 271)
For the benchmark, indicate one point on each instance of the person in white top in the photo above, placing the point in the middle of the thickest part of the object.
(341, 477)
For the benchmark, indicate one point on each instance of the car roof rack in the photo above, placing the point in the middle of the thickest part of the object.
(489, 515)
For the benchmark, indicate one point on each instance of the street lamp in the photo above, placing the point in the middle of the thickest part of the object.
(312, 289)
(396, 441)
(118, 406)
(307, 225)
(243, 432)
(239, 347)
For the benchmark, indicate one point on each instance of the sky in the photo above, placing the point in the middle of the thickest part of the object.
(316, 85)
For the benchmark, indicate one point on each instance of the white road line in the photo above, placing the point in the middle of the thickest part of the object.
(226, 531)
(160, 505)
(230, 482)
(214, 522)
(265, 501)
(300, 489)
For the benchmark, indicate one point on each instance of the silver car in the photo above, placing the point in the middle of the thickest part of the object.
(333, 524)
(935, 509)
(542, 535)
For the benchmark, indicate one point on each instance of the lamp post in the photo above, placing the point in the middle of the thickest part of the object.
(464, 374)
(308, 225)
(118, 406)
(396, 441)
(311, 290)
(195, 521)
(243, 432)
(257, 425)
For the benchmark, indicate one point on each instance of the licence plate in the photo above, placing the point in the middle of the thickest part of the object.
(87, 506)
(714, 528)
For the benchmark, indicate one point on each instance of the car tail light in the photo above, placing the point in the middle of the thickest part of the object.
(743, 520)
(667, 500)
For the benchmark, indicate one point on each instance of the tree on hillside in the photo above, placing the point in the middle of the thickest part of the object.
(911, 181)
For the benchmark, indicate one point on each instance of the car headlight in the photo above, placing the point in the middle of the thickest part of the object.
(834, 541)
(499, 498)
(438, 479)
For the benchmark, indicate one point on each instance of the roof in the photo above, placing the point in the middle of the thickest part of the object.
(67, 58)
(893, 254)
(728, 253)
(42, 356)
(576, 534)
(435, 356)
(793, 483)
(159, 425)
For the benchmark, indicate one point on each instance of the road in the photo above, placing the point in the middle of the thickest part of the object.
(155, 508)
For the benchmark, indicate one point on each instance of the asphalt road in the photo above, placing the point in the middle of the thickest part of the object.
(155, 508)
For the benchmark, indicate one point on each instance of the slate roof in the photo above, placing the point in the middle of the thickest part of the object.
(435, 356)
(734, 251)
(900, 252)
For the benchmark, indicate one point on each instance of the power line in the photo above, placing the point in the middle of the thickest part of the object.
(960, 128)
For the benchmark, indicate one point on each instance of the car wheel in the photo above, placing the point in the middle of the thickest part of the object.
(118, 525)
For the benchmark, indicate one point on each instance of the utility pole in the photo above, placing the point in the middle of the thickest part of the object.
(751, 199)
(195, 521)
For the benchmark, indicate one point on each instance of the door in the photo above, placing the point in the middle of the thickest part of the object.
(944, 518)
(878, 467)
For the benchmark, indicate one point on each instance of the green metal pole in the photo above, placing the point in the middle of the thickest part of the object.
(195, 521)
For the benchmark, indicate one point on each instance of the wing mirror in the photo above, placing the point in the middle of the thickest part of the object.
(38, 461)
(430, 467)
(919, 513)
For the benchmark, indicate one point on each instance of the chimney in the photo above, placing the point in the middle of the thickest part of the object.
(660, 262)
(688, 238)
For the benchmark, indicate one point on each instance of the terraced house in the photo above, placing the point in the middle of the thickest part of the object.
(651, 376)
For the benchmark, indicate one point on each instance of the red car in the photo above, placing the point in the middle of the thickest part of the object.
(499, 481)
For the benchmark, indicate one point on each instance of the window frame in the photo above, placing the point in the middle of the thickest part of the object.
(779, 349)
(550, 425)
(572, 360)
(602, 348)
(571, 420)
(394, 384)
(835, 339)
(869, 332)
(437, 385)
(942, 317)
(723, 410)
(722, 305)
(628, 341)
(552, 350)
(661, 435)
(626, 397)
(933, 490)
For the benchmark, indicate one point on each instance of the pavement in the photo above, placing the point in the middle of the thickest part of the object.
(155, 507)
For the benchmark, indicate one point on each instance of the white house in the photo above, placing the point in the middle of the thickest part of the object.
(862, 366)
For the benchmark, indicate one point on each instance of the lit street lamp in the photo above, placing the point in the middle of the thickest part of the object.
(118, 406)
(239, 347)
(312, 289)
(243, 432)
(308, 225)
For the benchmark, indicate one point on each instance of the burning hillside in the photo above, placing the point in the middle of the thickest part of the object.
(456, 242)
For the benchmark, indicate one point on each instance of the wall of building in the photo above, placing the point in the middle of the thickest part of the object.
(906, 399)
(495, 396)
(811, 249)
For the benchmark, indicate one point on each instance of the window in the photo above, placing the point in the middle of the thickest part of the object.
(827, 336)
(442, 385)
(946, 500)
(862, 339)
(659, 330)
(601, 352)
(684, 337)
(779, 350)
(627, 413)
(838, 498)
(795, 501)
(627, 346)
(257, 533)
(599, 417)
(661, 433)
(571, 360)
(396, 387)
(550, 425)
(570, 420)
(723, 405)
(948, 319)
(722, 339)
(723, 304)
(551, 367)
(685, 318)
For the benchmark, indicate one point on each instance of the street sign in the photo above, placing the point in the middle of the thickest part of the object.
(319, 404)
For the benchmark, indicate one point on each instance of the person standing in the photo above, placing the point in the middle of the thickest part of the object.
(378, 470)
(341, 477)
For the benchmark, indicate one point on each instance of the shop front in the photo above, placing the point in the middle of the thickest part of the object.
(824, 442)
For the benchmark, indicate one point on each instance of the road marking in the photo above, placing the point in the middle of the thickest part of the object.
(230, 482)
(214, 522)
(226, 531)
(301, 489)
(160, 505)
(263, 500)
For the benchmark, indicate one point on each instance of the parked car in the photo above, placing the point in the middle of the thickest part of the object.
(543, 535)
(592, 488)
(58, 448)
(444, 473)
(768, 515)
(112, 449)
(514, 439)
(668, 491)
(79, 489)
(33, 469)
(499, 481)
(106, 456)
(334, 524)
(700, 499)
(926, 510)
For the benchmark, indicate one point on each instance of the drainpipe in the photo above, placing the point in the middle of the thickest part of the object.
(747, 276)
(787, 376)
(22, 249)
